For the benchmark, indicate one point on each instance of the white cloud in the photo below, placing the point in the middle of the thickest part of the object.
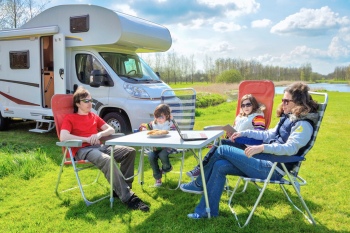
(338, 48)
(310, 22)
(242, 7)
(340, 44)
(222, 47)
(262, 23)
(226, 27)
(306, 52)
(193, 24)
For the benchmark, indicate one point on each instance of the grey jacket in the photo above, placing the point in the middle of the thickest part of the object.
(300, 135)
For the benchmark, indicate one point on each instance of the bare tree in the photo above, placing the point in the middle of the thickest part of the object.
(15, 13)
(192, 66)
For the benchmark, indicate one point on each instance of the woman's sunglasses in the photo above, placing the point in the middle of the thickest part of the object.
(87, 100)
(246, 105)
(286, 101)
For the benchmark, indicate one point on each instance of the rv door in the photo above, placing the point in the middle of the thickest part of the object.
(59, 55)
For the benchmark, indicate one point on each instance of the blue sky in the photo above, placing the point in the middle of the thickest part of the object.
(286, 33)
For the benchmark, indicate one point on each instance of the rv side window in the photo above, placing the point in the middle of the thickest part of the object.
(19, 59)
(86, 65)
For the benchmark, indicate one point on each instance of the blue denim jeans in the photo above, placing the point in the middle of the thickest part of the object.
(214, 147)
(163, 155)
(228, 160)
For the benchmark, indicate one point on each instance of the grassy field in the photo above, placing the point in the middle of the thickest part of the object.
(29, 166)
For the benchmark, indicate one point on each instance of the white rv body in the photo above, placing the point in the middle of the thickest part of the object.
(81, 45)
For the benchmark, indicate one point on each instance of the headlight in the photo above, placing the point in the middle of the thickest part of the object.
(136, 91)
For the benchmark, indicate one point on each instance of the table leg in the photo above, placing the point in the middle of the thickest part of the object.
(111, 177)
(207, 209)
(140, 178)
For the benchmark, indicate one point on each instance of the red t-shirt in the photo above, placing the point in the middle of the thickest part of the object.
(82, 125)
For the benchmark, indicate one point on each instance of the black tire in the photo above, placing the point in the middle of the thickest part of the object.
(118, 121)
(4, 123)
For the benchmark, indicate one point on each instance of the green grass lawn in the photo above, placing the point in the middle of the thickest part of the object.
(29, 165)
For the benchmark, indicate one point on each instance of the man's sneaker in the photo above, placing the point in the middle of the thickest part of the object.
(194, 216)
(195, 172)
(158, 183)
(191, 188)
(136, 203)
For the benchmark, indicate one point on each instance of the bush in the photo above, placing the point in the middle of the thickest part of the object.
(229, 76)
(207, 99)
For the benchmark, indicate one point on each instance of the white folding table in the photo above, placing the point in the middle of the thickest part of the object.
(171, 140)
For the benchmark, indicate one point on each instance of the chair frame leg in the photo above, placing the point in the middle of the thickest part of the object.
(80, 185)
(309, 216)
(256, 202)
(293, 182)
(141, 167)
(181, 170)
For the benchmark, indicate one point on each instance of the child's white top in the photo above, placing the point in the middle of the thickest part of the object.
(246, 122)
(165, 126)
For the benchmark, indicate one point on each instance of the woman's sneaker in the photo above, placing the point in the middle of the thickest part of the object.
(194, 216)
(191, 188)
(195, 172)
(158, 183)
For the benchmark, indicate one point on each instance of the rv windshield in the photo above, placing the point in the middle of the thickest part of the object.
(130, 67)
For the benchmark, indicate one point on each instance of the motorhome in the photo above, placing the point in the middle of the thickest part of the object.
(68, 46)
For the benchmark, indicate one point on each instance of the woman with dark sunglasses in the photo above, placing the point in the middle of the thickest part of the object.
(251, 116)
(298, 115)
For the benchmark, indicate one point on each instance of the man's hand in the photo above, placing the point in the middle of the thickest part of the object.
(94, 139)
(253, 150)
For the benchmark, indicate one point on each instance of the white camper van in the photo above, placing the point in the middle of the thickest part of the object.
(81, 45)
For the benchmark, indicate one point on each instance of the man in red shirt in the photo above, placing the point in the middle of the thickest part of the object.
(86, 126)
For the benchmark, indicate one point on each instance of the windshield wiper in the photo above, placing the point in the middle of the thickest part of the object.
(129, 77)
(151, 81)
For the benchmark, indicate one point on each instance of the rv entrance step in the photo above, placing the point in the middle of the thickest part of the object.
(39, 128)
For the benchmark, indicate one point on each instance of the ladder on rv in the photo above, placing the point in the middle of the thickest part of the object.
(43, 126)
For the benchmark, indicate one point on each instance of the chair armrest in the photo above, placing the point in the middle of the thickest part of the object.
(213, 127)
(70, 143)
(279, 158)
(110, 137)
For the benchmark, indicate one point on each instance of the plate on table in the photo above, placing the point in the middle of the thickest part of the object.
(157, 135)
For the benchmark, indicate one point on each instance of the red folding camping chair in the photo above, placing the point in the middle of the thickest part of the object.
(62, 104)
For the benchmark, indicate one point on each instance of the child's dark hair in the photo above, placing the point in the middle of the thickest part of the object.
(162, 109)
(256, 106)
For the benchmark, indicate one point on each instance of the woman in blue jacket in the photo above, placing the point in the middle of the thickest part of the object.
(298, 115)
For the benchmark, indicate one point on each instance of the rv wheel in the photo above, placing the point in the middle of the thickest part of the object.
(118, 121)
(4, 123)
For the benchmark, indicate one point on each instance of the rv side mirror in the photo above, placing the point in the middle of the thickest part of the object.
(158, 74)
(95, 78)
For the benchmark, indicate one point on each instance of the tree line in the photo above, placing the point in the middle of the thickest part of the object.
(179, 68)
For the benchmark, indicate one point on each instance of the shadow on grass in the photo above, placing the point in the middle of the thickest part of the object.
(171, 218)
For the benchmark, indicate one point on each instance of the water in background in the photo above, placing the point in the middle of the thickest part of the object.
(321, 86)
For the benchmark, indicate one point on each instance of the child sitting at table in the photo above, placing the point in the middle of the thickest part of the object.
(162, 121)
